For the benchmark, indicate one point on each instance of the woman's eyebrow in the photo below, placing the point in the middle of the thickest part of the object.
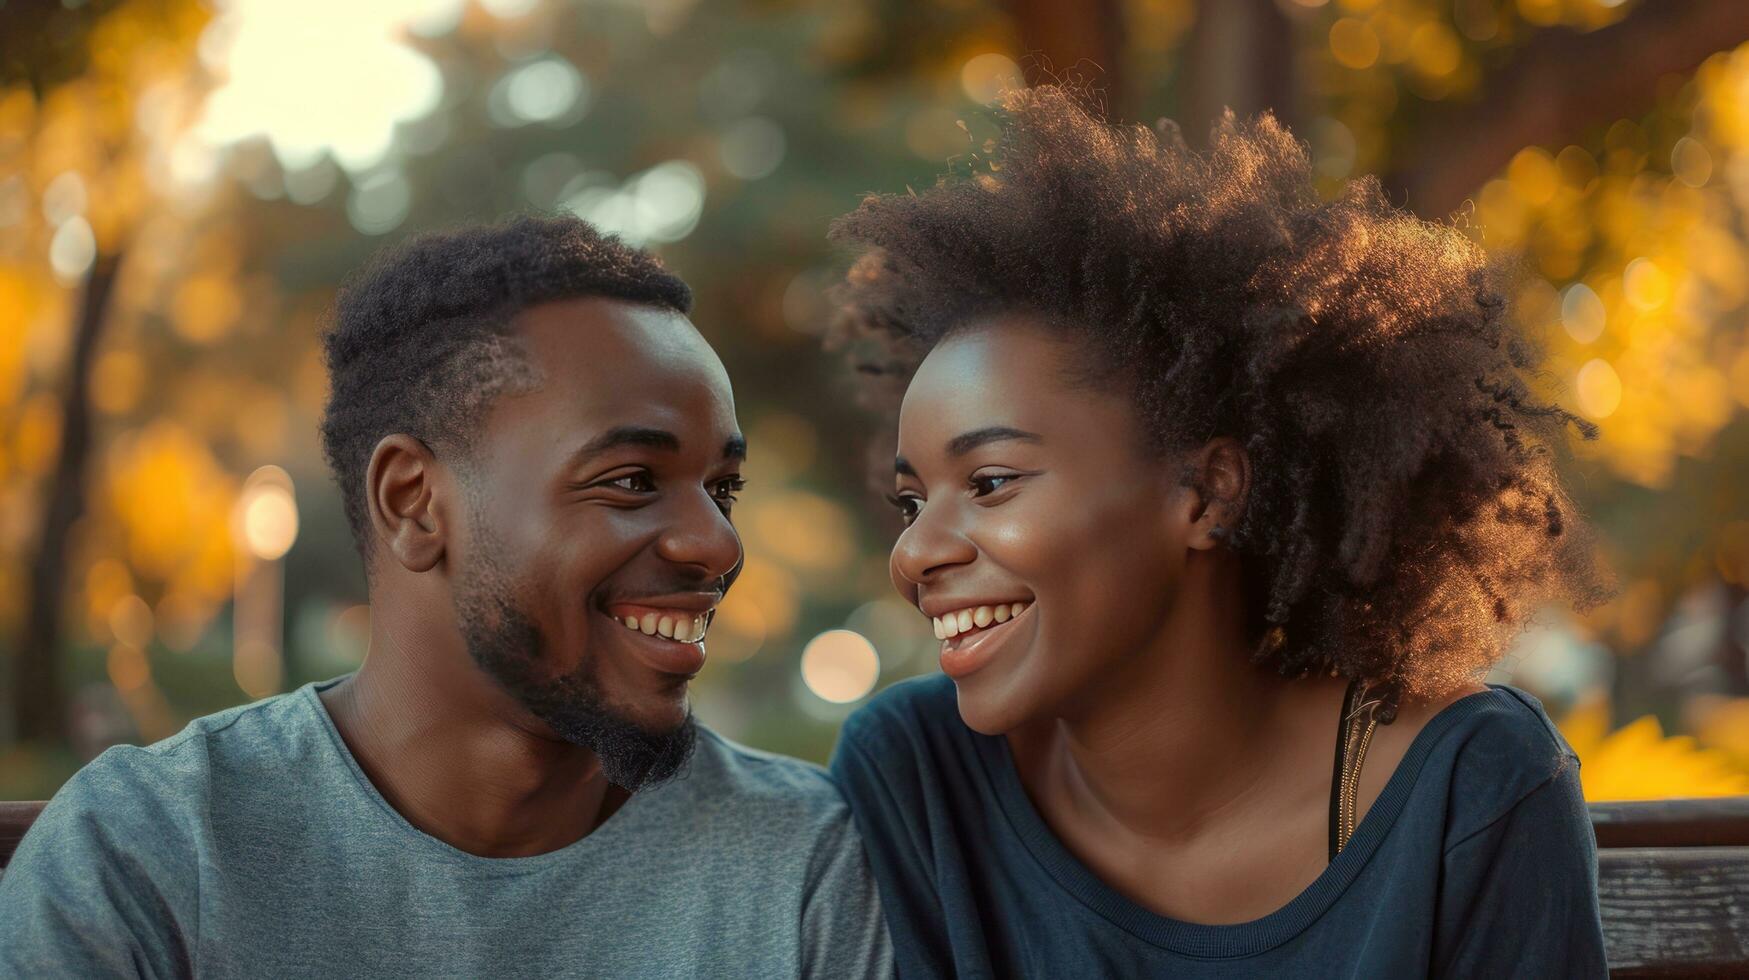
(965, 442)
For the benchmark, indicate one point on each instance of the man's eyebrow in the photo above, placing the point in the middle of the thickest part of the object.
(735, 448)
(626, 435)
(903, 467)
(965, 442)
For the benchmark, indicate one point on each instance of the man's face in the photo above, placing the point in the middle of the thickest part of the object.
(597, 500)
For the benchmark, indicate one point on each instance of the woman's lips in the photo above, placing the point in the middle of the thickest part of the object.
(965, 653)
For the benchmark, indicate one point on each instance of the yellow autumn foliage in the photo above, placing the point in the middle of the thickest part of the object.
(1639, 762)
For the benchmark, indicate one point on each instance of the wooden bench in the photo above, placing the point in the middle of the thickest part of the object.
(1673, 882)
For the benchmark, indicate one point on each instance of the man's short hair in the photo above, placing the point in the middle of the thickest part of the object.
(421, 340)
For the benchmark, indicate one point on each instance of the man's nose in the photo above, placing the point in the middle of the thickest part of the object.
(701, 536)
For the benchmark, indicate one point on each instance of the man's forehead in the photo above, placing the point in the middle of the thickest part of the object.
(607, 364)
(612, 333)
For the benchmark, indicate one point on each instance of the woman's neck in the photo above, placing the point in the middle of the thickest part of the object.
(1189, 733)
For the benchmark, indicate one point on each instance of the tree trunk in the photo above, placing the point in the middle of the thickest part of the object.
(1560, 84)
(1239, 56)
(39, 703)
(1080, 41)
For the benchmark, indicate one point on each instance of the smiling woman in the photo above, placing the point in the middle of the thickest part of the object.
(1221, 498)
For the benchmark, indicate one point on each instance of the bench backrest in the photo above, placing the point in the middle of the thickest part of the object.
(1673, 882)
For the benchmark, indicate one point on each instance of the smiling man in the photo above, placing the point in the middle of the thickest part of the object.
(538, 455)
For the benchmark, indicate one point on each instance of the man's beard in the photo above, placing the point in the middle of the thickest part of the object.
(507, 645)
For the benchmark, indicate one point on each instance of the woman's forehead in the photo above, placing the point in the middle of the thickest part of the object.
(1008, 373)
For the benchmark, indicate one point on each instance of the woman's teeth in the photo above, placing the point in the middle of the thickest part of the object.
(975, 617)
(679, 626)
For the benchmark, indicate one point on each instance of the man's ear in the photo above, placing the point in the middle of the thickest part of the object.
(1221, 478)
(402, 496)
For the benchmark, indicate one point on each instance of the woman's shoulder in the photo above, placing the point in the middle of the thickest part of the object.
(927, 703)
(909, 735)
(1500, 747)
(1504, 727)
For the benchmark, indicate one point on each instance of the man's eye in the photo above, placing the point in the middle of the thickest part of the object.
(726, 489)
(631, 483)
(907, 504)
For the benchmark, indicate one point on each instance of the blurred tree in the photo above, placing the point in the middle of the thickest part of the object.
(727, 136)
(71, 84)
(1601, 141)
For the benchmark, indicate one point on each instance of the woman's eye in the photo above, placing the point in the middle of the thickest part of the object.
(983, 486)
(906, 504)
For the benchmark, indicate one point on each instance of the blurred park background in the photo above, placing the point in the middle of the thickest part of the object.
(184, 183)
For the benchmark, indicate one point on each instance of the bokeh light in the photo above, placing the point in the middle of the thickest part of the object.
(315, 77)
(546, 90)
(840, 666)
(268, 513)
(131, 621)
(1598, 388)
(1354, 43)
(661, 204)
(1583, 314)
(258, 668)
(752, 148)
(72, 250)
(986, 76)
(379, 203)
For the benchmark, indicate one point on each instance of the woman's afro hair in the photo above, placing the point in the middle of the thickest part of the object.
(1405, 517)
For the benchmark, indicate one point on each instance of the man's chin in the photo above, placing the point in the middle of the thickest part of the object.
(641, 740)
(635, 758)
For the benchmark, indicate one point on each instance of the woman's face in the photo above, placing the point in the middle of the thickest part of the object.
(1024, 492)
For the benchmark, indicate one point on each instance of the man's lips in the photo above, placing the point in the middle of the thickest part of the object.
(680, 651)
(666, 631)
(679, 616)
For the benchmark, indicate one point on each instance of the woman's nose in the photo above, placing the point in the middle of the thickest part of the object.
(929, 546)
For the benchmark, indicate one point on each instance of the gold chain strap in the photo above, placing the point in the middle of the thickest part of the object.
(1357, 734)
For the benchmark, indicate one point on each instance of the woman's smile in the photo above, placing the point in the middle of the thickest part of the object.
(971, 636)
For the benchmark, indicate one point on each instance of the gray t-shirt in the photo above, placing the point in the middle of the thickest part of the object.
(252, 845)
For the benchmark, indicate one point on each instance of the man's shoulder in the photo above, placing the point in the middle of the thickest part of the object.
(136, 817)
(180, 774)
(722, 767)
(729, 795)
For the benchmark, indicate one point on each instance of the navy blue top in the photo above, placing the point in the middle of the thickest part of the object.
(1477, 859)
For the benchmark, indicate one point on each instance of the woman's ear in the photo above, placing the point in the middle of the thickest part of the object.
(1221, 478)
(401, 497)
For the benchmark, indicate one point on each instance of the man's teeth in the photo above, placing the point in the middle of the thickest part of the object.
(976, 617)
(683, 627)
